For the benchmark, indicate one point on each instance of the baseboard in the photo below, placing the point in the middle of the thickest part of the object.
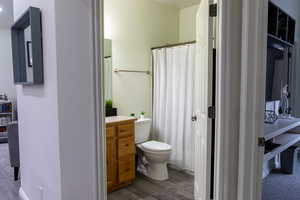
(23, 195)
(187, 171)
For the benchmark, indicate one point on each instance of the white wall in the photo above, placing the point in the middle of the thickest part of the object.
(56, 120)
(6, 67)
(187, 26)
(133, 34)
(76, 109)
(38, 116)
(134, 27)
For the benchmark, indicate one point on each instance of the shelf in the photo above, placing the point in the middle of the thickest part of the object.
(280, 127)
(6, 113)
(5, 102)
(285, 141)
(280, 24)
(277, 39)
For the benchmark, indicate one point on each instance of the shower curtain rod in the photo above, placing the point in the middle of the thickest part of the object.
(173, 45)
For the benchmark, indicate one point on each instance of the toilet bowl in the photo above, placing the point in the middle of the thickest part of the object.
(156, 154)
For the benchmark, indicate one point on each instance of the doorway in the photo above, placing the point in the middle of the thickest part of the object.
(259, 130)
(203, 116)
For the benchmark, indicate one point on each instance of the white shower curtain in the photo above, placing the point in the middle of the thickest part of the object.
(173, 101)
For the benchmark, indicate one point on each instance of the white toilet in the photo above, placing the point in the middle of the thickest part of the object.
(157, 154)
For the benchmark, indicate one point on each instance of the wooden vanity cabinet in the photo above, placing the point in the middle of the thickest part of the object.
(120, 152)
(111, 155)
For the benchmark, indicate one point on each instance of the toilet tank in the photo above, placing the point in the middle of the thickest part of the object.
(142, 130)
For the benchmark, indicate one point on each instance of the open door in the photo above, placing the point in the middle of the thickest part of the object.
(204, 108)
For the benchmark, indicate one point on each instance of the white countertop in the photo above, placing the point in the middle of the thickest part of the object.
(280, 126)
(118, 119)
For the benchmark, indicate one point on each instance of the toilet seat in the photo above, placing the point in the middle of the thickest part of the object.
(155, 146)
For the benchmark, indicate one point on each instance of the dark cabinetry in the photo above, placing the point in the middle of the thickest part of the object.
(281, 25)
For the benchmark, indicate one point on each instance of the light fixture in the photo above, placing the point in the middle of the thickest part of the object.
(1, 9)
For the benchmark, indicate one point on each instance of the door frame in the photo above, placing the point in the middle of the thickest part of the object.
(227, 97)
(97, 19)
(254, 46)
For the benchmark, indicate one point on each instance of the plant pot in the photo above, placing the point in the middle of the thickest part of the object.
(109, 112)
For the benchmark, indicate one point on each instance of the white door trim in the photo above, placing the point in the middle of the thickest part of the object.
(98, 82)
(203, 87)
(254, 53)
(228, 97)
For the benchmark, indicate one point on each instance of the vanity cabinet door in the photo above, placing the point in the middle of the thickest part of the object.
(126, 169)
(111, 159)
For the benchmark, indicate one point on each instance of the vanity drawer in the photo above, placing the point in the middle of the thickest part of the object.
(126, 146)
(111, 132)
(126, 169)
(126, 130)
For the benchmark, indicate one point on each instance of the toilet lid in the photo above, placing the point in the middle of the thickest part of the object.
(156, 146)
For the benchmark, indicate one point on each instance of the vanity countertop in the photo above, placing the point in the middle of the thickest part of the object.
(118, 119)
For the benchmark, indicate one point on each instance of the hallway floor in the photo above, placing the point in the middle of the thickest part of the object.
(9, 189)
(180, 186)
(279, 186)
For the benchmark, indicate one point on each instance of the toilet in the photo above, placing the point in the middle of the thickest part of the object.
(156, 154)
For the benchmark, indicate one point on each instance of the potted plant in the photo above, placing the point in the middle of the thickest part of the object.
(142, 116)
(109, 109)
(108, 103)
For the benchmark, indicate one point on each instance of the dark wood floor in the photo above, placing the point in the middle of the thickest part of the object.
(180, 186)
(9, 189)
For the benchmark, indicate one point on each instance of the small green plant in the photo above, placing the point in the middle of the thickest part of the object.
(142, 113)
(132, 114)
(108, 103)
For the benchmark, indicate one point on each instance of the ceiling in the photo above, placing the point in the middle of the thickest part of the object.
(180, 3)
(6, 16)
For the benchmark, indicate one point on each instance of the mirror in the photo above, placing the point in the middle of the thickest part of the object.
(108, 69)
(28, 53)
(27, 48)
